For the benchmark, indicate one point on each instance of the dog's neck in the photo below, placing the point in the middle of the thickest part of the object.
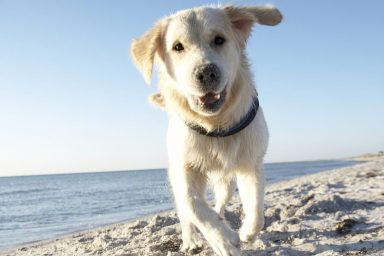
(242, 124)
(239, 100)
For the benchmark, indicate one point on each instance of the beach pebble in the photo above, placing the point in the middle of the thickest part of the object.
(107, 237)
(288, 212)
(297, 241)
(380, 234)
(278, 226)
(99, 242)
(261, 245)
(169, 231)
(139, 224)
(86, 239)
(339, 215)
(159, 222)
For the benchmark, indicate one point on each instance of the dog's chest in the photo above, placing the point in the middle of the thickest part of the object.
(187, 147)
(213, 153)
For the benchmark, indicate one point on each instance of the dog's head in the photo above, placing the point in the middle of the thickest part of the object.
(199, 50)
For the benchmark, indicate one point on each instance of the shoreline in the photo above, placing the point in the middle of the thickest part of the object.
(310, 195)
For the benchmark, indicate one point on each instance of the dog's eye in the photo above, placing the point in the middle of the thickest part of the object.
(219, 40)
(178, 47)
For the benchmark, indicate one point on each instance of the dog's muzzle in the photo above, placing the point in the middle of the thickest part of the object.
(208, 78)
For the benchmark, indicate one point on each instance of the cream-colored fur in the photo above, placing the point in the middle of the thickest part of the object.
(195, 159)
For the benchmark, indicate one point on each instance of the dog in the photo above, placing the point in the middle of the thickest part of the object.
(217, 131)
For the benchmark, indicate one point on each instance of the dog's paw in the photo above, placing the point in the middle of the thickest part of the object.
(191, 246)
(227, 245)
(248, 231)
(227, 249)
(245, 235)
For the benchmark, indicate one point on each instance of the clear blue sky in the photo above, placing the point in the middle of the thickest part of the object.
(71, 100)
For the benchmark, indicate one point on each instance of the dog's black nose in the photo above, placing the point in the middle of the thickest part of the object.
(207, 75)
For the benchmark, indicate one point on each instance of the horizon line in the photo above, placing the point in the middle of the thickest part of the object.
(352, 158)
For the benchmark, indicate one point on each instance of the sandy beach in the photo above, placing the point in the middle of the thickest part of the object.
(338, 212)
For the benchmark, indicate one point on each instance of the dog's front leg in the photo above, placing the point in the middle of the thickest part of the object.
(188, 188)
(189, 234)
(251, 189)
(223, 191)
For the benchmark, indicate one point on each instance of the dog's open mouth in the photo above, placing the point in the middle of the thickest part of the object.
(211, 102)
(209, 98)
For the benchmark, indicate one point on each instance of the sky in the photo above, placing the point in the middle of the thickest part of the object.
(71, 99)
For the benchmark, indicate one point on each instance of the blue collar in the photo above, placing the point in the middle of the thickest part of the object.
(244, 122)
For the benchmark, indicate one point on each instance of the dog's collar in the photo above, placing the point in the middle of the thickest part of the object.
(244, 122)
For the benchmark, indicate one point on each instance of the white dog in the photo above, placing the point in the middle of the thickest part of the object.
(216, 129)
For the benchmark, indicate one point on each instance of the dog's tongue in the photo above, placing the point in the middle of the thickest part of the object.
(209, 98)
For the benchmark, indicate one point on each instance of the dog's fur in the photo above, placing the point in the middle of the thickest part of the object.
(194, 158)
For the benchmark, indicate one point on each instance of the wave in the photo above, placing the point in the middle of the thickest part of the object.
(26, 191)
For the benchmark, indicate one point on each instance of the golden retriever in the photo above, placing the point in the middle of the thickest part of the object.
(217, 131)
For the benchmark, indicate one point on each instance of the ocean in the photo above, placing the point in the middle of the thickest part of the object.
(34, 208)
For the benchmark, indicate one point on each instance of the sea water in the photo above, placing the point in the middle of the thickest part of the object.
(34, 208)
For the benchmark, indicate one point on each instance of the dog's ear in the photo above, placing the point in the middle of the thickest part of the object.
(143, 49)
(265, 15)
(243, 18)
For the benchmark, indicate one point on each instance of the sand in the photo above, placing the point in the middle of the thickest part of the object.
(339, 212)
